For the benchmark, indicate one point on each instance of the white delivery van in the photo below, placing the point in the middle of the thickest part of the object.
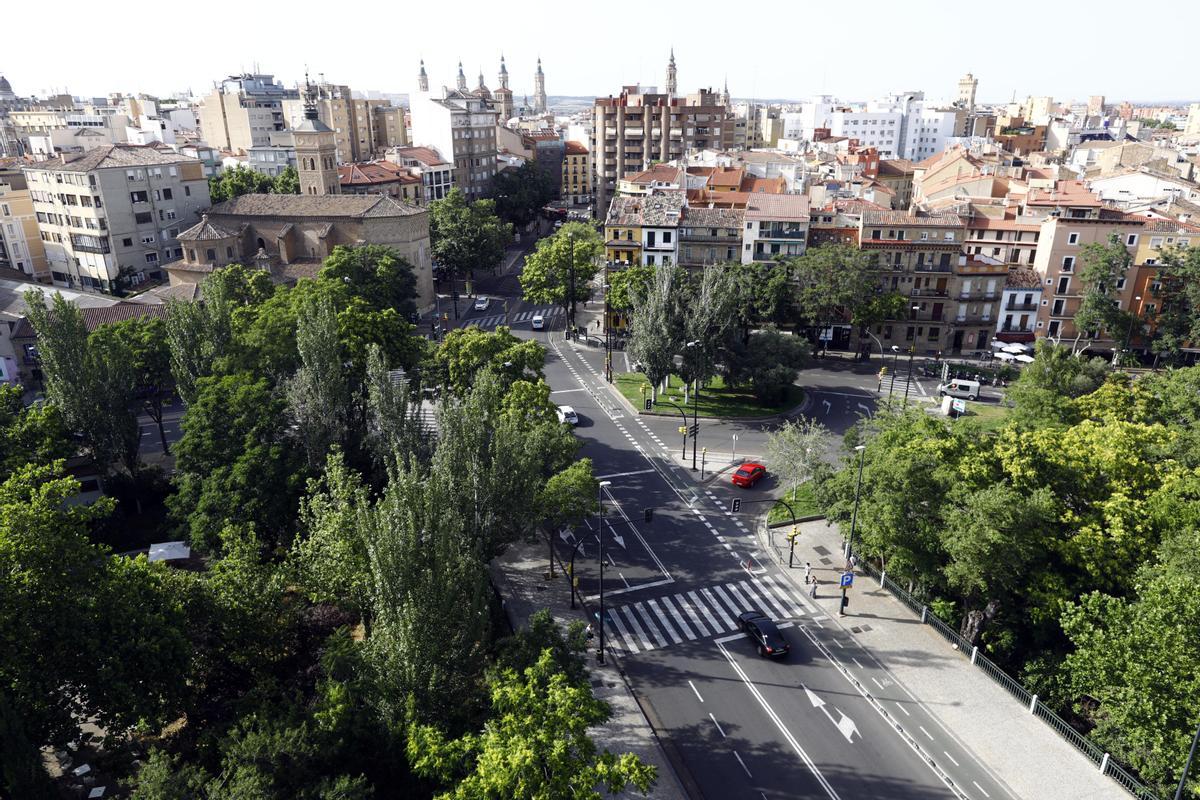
(960, 388)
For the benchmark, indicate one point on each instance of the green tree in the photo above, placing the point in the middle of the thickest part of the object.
(286, 182)
(90, 381)
(770, 363)
(536, 744)
(655, 329)
(707, 319)
(377, 274)
(1178, 320)
(561, 268)
(569, 496)
(628, 285)
(319, 394)
(522, 192)
(1102, 267)
(145, 340)
(796, 451)
(34, 434)
(835, 283)
(1044, 392)
(464, 352)
(239, 180)
(465, 236)
(166, 777)
(234, 463)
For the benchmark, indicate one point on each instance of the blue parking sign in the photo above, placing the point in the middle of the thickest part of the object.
(847, 579)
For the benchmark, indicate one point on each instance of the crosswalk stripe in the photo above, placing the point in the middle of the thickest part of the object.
(697, 609)
(745, 604)
(630, 644)
(781, 590)
(679, 618)
(524, 315)
(731, 604)
(633, 623)
(659, 639)
(712, 600)
(662, 618)
(772, 602)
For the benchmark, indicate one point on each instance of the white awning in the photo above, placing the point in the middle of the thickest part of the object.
(170, 551)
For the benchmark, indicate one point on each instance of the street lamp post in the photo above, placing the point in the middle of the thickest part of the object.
(895, 369)
(607, 326)
(1188, 766)
(600, 535)
(912, 351)
(683, 415)
(857, 491)
(1133, 318)
(695, 412)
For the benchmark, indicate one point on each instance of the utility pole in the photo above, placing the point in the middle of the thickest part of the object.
(1187, 767)
(908, 384)
(600, 536)
(607, 327)
(571, 282)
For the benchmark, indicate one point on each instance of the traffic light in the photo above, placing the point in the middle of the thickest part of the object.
(649, 515)
(737, 504)
(795, 532)
(683, 429)
(649, 404)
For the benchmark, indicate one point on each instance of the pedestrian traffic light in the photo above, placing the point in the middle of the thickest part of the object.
(737, 504)
(649, 515)
(683, 429)
(649, 404)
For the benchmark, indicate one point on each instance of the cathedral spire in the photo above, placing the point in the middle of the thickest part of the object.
(422, 78)
(539, 89)
(672, 85)
(462, 78)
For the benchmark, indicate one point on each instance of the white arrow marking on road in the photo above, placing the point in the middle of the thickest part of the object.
(845, 724)
(566, 536)
(865, 408)
(616, 537)
(827, 405)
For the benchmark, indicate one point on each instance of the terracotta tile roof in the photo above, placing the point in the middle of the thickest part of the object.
(896, 168)
(111, 156)
(369, 173)
(854, 206)
(426, 155)
(907, 220)
(779, 207)
(576, 149)
(1064, 193)
(726, 176)
(301, 205)
(713, 217)
(659, 173)
(658, 210)
(206, 231)
(96, 316)
(757, 185)
(1023, 278)
(1172, 226)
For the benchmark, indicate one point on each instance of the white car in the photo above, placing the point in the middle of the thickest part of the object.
(567, 414)
(538, 322)
(482, 303)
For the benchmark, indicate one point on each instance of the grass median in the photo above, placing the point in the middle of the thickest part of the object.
(716, 399)
(803, 501)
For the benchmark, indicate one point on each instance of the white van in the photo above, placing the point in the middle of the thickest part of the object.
(960, 388)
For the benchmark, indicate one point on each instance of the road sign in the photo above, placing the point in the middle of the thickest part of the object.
(737, 504)
(847, 579)
(959, 405)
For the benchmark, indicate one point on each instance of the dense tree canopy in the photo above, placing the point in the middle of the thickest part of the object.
(561, 268)
(521, 193)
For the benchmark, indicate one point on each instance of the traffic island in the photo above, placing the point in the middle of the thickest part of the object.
(716, 399)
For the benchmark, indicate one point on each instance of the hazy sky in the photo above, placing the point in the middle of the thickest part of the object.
(766, 49)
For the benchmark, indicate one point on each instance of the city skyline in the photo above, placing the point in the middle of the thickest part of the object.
(860, 70)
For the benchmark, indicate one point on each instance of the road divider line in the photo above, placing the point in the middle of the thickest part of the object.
(743, 763)
(902, 708)
(697, 691)
(721, 730)
(947, 755)
(927, 733)
(774, 717)
(980, 788)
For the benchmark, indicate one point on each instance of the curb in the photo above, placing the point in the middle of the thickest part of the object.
(782, 415)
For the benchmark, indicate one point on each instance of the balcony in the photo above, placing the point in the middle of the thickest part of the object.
(1021, 306)
(928, 291)
(973, 319)
(85, 243)
(1012, 327)
(932, 268)
(783, 233)
(976, 294)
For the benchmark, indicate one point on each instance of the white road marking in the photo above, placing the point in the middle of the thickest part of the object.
(630, 644)
(950, 757)
(627, 586)
(621, 474)
(694, 611)
(729, 623)
(659, 639)
(877, 683)
(829, 790)
(646, 644)
(662, 618)
(721, 730)
(679, 620)
(697, 691)
(855, 660)
(743, 763)
(980, 788)
(902, 708)
(927, 733)
(567, 391)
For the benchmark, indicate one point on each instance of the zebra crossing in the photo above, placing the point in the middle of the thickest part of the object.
(896, 385)
(522, 318)
(699, 613)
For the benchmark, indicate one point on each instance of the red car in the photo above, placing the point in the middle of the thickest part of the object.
(748, 474)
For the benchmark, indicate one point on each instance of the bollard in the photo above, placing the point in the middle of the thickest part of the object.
(974, 653)
(1033, 704)
(882, 578)
(1104, 764)
(924, 611)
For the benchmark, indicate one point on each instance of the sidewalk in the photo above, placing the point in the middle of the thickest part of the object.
(1033, 760)
(520, 577)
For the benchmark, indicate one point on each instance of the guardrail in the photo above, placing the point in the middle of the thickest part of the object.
(1101, 759)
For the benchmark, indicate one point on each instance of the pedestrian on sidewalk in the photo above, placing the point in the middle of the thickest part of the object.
(591, 631)
(853, 560)
(812, 592)
(807, 571)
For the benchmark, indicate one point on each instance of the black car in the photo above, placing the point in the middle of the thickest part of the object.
(763, 632)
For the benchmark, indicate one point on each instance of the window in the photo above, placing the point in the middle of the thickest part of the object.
(210, 254)
(1053, 329)
(148, 239)
(1072, 238)
(1064, 283)
(138, 197)
(151, 258)
(187, 191)
(1068, 263)
(908, 335)
(666, 237)
(171, 214)
(1131, 239)
(1155, 287)
(876, 233)
(1120, 283)
(143, 217)
(1156, 242)
(4, 210)
(924, 236)
(1150, 309)
(127, 242)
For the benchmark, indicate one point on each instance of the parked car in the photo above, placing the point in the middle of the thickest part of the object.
(960, 387)
(482, 303)
(748, 474)
(764, 633)
(538, 322)
(567, 414)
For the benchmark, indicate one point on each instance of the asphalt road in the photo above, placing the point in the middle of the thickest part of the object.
(820, 724)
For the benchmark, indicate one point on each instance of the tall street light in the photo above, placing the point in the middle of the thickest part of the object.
(600, 535)
(912, 350)
(1133, 318)
(857, 491)
(895, 370)
(695, 412)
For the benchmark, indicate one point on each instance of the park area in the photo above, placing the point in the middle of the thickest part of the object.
(716, 399)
